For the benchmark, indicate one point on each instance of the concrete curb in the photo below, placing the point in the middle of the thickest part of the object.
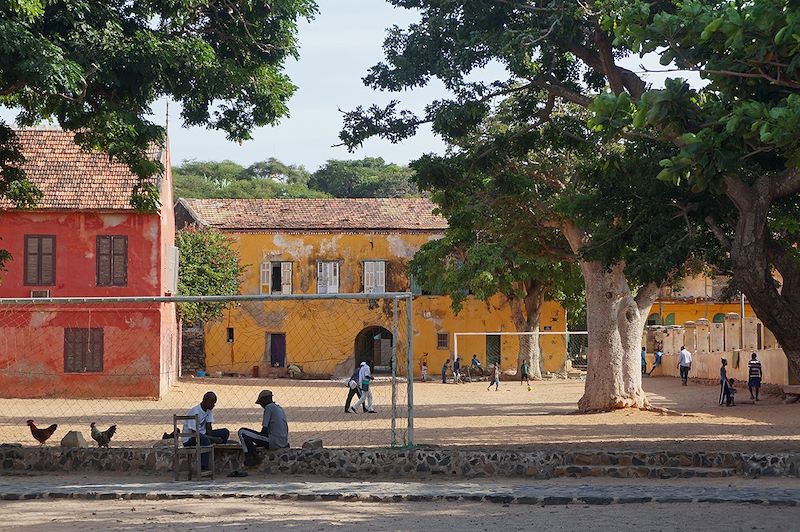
(351, 497)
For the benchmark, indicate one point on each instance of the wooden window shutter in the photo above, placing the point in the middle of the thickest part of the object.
(333, 278)
(47, 260)
(286, 277)
(31, 260)
(380, 276)
(264, 278)
(94, 345)
(71, 342)
(39, 260)
(103, 261)
(322, 280)
(119, 260)
(369, 277)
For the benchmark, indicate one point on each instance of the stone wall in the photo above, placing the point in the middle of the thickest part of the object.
(418, 463)
(708, 342)
(193, 351)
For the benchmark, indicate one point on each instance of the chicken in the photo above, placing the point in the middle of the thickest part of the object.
(102, 437)
(41, 435)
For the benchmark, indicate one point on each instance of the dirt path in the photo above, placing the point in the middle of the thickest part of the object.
(80, 516)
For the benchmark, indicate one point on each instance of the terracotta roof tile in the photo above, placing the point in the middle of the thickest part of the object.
(71, 178)
(316, 214)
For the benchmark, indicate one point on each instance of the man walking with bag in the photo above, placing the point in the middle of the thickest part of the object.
(355, 390)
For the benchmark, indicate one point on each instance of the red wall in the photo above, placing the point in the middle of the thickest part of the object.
(32, 351)
(76, 269)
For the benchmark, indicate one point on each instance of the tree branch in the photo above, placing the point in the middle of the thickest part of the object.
(785, 184)
(547, 83)
(718, 232)
(14, 87)
(633, 83)
(739, 192)
(607, 61)
(646, 296)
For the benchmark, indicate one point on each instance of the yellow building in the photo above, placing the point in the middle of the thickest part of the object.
(324, 246)
(698, 297)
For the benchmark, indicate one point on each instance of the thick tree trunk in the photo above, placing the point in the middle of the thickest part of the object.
(615, 321)
(526, 314)
(754, 254)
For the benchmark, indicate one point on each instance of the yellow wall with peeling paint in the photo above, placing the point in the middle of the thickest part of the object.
(321, 334)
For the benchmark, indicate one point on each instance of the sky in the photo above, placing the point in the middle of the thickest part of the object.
(336, 50)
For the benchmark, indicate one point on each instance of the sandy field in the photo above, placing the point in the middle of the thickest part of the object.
(444, 414)
(314, 516)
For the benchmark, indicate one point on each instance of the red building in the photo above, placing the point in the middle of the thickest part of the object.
(82, 240)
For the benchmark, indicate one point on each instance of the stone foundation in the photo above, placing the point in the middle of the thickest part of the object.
(419, 462)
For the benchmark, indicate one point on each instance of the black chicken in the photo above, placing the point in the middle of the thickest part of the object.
(103, 438)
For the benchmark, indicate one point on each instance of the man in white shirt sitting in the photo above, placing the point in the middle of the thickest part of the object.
(208, 434)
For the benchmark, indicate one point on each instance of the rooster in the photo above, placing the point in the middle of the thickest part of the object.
(103, 437)
(41, 435)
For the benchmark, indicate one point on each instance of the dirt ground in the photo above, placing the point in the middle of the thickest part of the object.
(313, 516)
(447, 415)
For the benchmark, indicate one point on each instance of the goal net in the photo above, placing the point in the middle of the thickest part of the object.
(561, 351)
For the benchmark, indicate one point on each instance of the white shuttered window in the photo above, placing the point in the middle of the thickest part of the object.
(327, 277)
(374, 276)
(276, 277)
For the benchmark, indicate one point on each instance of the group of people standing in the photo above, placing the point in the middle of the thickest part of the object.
(727, 388)
(727, 385)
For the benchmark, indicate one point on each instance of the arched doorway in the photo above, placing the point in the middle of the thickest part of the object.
(374, 344)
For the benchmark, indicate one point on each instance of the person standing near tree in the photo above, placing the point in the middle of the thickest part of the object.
(644, 360)
(423, 367)
(523, 370)
(684, 364)
(658, 356)
(754, 372)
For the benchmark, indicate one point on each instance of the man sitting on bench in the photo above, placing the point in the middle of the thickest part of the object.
(274, 432)
(208, 434)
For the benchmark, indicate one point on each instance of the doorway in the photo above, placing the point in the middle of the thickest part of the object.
(374, 344)
(275, 350)
(493, 349)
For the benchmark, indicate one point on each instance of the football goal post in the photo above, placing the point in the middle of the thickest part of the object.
(561, 350)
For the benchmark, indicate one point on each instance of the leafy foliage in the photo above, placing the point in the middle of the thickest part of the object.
(737, 136)
(209, 265)
(370, 177)
(96, 67)
(227, 179)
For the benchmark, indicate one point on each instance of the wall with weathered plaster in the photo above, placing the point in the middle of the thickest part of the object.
(320, 335)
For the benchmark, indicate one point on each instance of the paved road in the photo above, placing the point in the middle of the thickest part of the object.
(776, 491)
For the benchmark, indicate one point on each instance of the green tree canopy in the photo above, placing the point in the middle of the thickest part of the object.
(226, 179)
(275, 170)
(370, 177)
(209, 266)
(558, 58)
(737, 136)
(96, 67)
